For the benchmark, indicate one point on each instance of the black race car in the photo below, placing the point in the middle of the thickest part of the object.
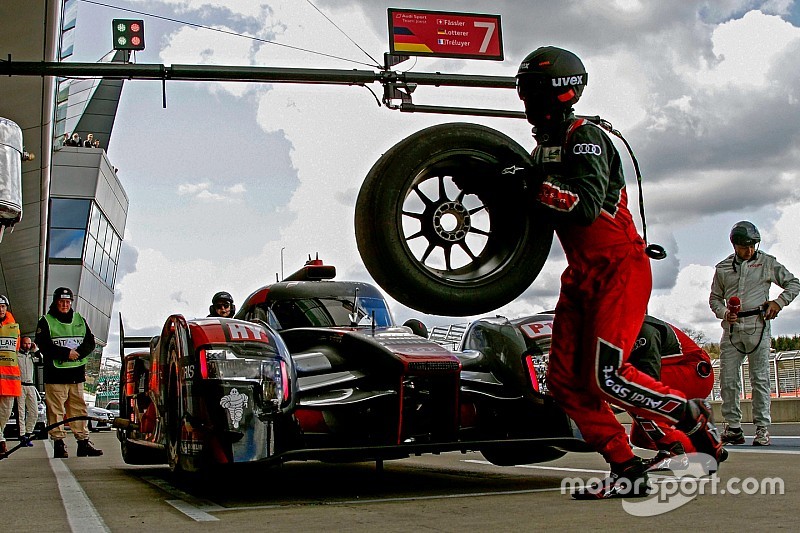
(367, 388)
(312, 368)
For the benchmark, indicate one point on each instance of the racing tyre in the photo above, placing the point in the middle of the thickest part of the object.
(443, 222)
(174, 420)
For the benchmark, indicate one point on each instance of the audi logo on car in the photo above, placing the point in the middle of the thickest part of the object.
(586, 148)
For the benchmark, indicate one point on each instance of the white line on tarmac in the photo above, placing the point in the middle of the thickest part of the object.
(81, 514)
(536, 467)
(194, 508)
(191, 511)
(760, 449)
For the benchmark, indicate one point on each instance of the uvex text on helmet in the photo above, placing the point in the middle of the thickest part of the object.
(554, 76)
(745, 233)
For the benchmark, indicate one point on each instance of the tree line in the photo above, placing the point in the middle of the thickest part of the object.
(783, 343)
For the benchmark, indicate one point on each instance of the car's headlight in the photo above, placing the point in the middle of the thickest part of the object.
(271, 373)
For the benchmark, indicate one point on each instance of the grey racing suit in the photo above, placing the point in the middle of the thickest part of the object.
(748, 336)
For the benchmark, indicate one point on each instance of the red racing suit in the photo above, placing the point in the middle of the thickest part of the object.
(604, 292)
(666, 353)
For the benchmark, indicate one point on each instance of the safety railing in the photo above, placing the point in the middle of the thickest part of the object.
(784, 376)
(448, 336)
(784, 367)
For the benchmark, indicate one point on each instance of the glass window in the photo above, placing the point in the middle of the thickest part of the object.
(109, 243)
(101, 232)
(66, 243)
(103, 271)
(68, 213)
(109, 277)
(95, 222)
(61, 114)
(91, 244)
(302, 312)
(97, 258)
(115, 248)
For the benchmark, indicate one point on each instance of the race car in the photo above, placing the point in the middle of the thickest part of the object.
(312, 368)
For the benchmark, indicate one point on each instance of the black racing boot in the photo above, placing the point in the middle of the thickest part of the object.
(60, 449)
(698, 425)
(627, 480)
(668, 458)
(87, 449)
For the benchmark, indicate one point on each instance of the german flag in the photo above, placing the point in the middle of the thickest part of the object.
(406, 41)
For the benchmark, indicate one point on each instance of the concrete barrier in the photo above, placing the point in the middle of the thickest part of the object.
(782, 410)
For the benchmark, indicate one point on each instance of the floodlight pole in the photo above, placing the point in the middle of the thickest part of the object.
(397, 85)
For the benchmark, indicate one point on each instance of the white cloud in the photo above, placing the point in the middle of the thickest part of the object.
(709, 103)
(202, 191)
(193, 188)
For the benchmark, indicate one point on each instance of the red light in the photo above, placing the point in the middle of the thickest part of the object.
(135, 27)
(135, 41)
(203, 365)
(285, 381)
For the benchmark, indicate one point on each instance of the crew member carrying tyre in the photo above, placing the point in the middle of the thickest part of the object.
(577, 182)
(667, 354)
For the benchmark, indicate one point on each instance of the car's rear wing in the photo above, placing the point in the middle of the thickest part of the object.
(132, 341)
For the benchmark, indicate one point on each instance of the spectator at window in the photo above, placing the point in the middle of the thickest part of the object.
(89, 142)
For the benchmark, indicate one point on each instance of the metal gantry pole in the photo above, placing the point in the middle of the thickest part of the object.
(397, 85)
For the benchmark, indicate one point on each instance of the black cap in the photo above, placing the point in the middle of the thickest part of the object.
(62, 293)
(4, 300)
(222, 296)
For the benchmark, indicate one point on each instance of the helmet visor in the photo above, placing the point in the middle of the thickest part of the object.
(744, 240)
(531, 87)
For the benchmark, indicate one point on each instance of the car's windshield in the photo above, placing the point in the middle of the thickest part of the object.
(329, 312)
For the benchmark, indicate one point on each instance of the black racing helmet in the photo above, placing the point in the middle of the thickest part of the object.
(745, 233)
(551, 77)
(220, 297)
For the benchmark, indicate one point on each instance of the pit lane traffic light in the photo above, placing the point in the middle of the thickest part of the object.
(128, 34)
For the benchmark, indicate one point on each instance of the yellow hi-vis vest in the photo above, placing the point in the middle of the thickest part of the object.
(10, 383)
(68, 336)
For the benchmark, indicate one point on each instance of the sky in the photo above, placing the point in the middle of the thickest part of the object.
(234, 183)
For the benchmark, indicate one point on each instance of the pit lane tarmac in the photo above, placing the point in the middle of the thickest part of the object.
(450, 492)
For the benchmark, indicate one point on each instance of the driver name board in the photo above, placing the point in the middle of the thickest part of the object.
(445, 34)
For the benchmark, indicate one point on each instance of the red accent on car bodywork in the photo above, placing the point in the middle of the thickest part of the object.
(203, 365)
(468, 415)
(532, 372)
(285, 381)
(258, 297)
(311, 421)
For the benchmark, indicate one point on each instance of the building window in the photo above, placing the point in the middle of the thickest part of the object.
(68, 220)
(102, 247)
(71, 243)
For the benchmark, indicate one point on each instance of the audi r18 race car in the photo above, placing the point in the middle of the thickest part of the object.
(312, 368)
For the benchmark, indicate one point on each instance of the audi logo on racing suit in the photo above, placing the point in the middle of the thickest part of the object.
(586, 148)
